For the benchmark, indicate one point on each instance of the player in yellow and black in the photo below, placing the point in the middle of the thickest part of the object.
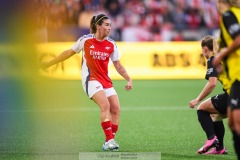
(211, 111)
(230, 39)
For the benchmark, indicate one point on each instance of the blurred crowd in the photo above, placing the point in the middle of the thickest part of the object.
(132, 20)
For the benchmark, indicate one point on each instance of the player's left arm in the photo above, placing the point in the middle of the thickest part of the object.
(122, 71)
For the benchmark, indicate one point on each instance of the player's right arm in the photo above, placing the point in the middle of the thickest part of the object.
(61, 57)
(212, 77)
(76, 48)
(212, 82)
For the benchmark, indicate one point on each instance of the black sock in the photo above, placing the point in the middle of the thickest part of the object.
(236, 142)
(206, 123)
(219, 131)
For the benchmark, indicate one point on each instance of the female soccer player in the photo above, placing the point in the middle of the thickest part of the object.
(230, 38)
(97, 48)
(213, 110)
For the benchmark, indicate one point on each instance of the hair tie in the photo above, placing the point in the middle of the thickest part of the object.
(99, 20)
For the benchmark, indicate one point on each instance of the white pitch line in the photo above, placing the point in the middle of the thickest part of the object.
(91, 109)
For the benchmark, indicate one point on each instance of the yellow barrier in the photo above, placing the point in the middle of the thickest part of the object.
(142, 60)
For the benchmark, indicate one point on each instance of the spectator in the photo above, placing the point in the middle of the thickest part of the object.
(157, 20)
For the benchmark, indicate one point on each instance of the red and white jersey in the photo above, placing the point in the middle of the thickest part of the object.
(95, 58)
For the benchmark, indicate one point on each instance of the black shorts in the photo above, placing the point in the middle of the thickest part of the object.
(235, 95)
(220, 102)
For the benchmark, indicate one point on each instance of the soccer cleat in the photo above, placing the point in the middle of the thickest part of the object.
(215, 151)
(208, 145)
(110, 145)
(115, 144)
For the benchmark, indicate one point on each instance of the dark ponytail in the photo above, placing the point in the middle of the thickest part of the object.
(96, 20)
(92, 27)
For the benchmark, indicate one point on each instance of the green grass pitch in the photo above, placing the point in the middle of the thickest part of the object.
(61, 122)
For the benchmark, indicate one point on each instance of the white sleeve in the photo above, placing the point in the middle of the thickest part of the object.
(78, 46)
(115, 55)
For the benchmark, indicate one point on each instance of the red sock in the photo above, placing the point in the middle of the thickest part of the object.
(114, 129)
(107, 128)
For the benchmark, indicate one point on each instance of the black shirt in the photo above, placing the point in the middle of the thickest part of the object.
(211, 71)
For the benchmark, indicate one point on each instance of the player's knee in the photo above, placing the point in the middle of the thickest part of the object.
(105, 107)
(205, 106)
(115, 110)
(202, 107)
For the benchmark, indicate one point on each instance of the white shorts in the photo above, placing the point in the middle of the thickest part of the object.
(94, 86)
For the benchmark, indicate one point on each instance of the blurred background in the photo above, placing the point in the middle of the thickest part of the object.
(134, 20)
